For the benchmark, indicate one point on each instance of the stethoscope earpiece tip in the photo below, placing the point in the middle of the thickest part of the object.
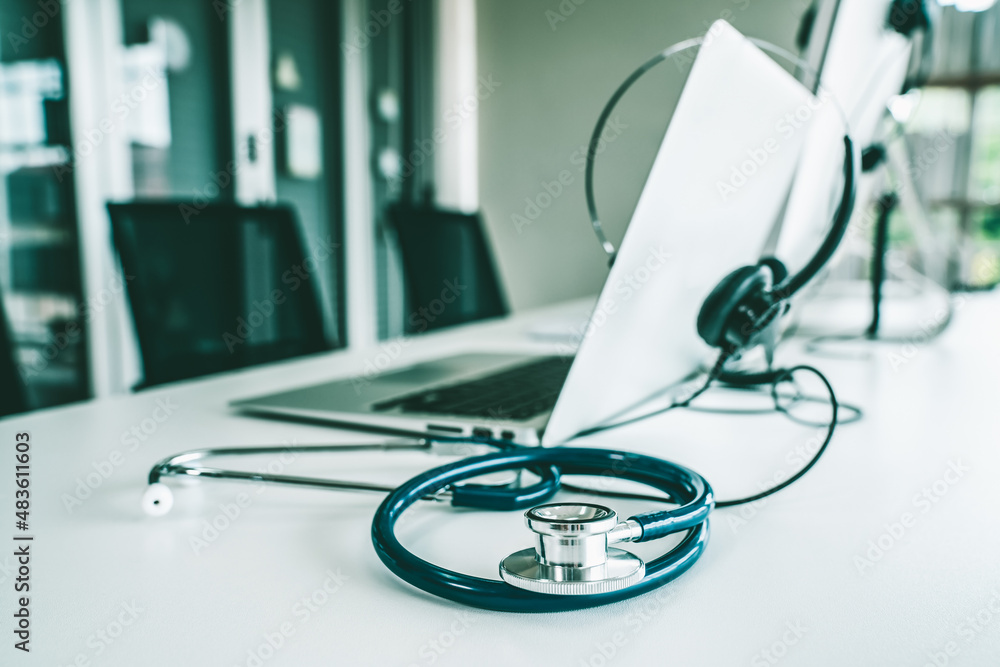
(157, 500)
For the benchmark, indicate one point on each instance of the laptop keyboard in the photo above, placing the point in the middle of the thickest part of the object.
(518, 393)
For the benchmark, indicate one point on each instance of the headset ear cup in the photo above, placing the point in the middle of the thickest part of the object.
(717, 317)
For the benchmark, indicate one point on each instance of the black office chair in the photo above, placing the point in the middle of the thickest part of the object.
(449, 271)
(216, 287)
(13, 396)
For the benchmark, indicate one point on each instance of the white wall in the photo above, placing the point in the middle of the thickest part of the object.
(551, 77)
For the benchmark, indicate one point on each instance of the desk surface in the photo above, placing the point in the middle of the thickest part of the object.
(887, 553)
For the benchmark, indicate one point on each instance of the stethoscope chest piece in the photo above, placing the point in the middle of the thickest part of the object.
(571, 565)
(571, 555)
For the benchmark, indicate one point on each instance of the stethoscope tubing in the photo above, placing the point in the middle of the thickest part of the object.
(686, 487)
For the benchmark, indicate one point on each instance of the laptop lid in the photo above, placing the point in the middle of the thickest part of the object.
(718, 185)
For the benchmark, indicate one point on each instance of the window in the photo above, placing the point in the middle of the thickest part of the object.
(953, 137)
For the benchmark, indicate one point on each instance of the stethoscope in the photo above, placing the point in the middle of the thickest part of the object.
(572, 564)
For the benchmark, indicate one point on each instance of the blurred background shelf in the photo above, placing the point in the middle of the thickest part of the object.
(953, 140)
(40, 277)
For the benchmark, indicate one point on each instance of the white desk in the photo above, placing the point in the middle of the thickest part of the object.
(783, 577)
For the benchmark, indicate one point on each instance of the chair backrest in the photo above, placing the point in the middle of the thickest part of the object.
(13, 397)
(216, 287)
(449, 270)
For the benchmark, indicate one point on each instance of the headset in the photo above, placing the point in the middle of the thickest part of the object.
(751, 299)
(748, 302)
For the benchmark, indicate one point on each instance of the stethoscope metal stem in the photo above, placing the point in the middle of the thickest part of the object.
(504, 491)
(198, 454)
(293, 480)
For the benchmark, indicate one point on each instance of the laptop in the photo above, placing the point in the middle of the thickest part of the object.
(717, 187)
